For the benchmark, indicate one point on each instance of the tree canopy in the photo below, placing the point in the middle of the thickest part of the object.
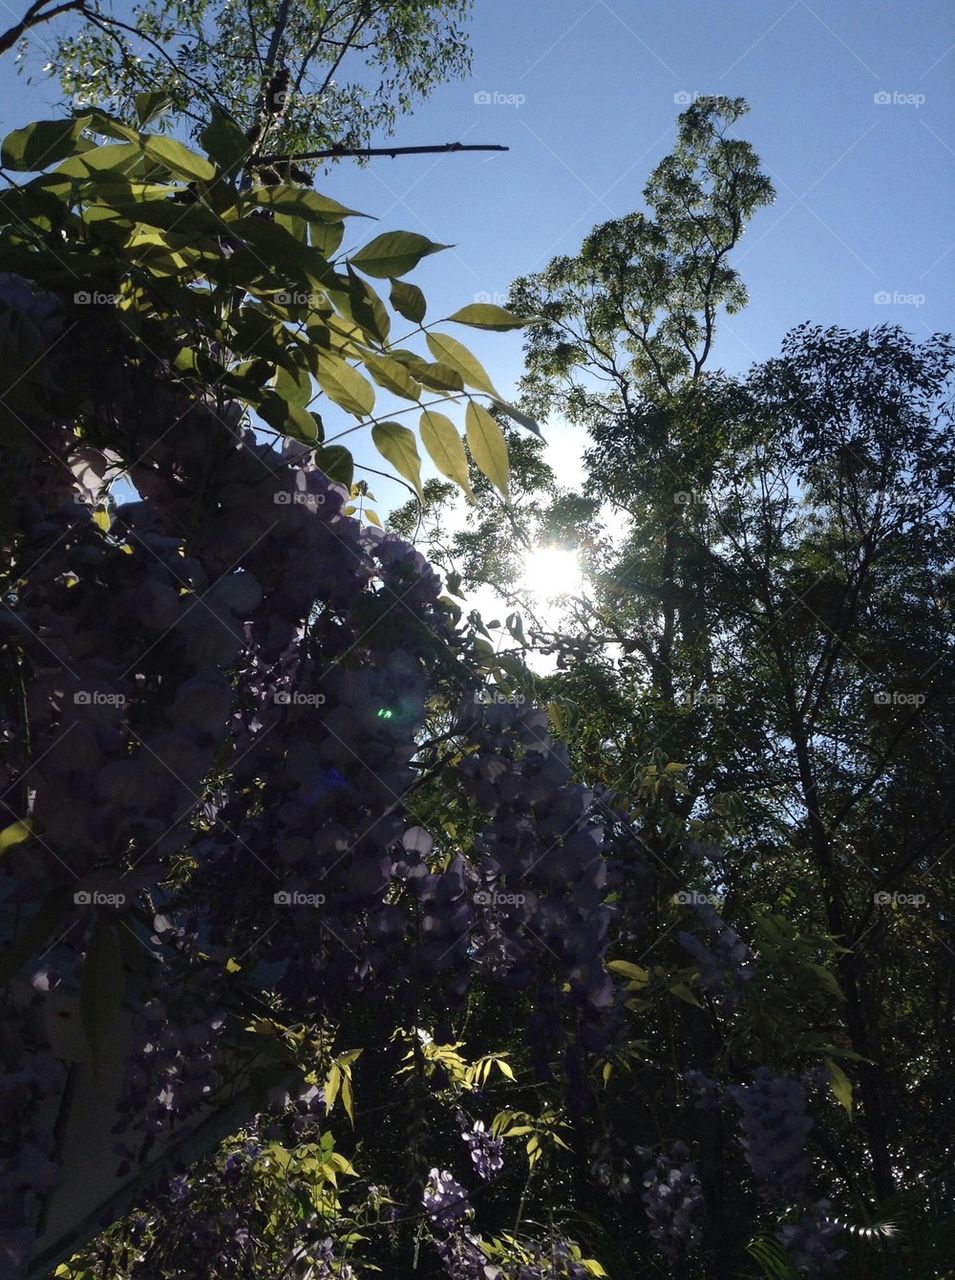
(341, 937)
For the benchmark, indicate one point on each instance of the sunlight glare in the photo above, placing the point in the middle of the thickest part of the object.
(551, 572)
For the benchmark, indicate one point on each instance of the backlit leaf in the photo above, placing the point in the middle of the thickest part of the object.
(455, 354)
(43, 143)
(393, 376)
(394, 253)
(484, 315)
(446, 448)
(151, 105)
(488, 446)
(408, 301)
(177, 158)
(397, 444)
(345, 385)
(520, 418)
(16, 833)
(840, 1084)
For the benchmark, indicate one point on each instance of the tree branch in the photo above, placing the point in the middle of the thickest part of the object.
(33, 17)
(377, 151)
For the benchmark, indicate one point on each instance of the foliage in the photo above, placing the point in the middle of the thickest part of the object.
(219, 686)
(305, 77)
(273, 804)
(757, 669)
(243, 289)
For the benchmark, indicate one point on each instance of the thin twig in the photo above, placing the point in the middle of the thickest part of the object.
(377, 151)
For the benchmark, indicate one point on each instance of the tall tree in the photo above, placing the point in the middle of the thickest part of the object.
(305, 76)
(769, 572)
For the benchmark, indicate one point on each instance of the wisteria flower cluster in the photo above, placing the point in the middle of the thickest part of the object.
(213, 743)
(813, 1242)
(673, 1201)
(725, 969)
(775, 1127)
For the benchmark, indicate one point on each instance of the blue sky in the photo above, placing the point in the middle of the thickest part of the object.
(852, 110)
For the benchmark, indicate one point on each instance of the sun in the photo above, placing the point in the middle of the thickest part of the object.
(551, 572)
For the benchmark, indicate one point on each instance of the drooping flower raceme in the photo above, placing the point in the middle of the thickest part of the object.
(775, 1127)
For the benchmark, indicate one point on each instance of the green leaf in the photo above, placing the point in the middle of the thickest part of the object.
(286, 197)
(151, 105)
(397, 445)
(635, 972)
(488, 446)
(683, 992)
(826, 978)
(393, 376)
(295, 387)
(16, 833)
(772, 1258)
(333, 1082)
(126, 157)
(446, 448)
(840, 1084)
(408, 301)
(326, 236)
(437, 376)
(43, 143)
(177, 158)
(516, 627)
(456, 355)
(345, 386)
(291, 419)
(484, 315)
(394, 254)
(366, 308)
(223, 140)
(347, 1101)
(337, 463)
(520, 418)
(102, 985)
(103, 123)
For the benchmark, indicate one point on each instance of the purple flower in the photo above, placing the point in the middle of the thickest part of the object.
(775, 1127)
(486, 1151)
(811, 1242)
(673, 1201)
(445, 1201)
